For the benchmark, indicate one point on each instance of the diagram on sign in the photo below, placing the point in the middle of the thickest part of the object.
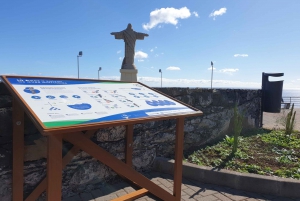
(31, 90)
(81, 106)
(50, 97)
(35, 97)
(160, 102)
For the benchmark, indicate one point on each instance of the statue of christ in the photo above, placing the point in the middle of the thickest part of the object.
(129, 36)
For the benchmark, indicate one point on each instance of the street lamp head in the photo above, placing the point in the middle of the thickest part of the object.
(80, 53)
(100, 68)
(211, 63)
(159, 70)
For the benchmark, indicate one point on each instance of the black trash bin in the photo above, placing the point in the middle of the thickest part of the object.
(271, 93)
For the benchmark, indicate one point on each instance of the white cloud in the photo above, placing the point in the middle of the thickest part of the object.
(166, 16)
(218, 13)
(298, 79)
(173, 68)
(210, 68)
(240, 55)
(228, 70)
(141, 60)
(196, 14)
(120, 58)
(140, 55)
(119, 51)
(153, 49)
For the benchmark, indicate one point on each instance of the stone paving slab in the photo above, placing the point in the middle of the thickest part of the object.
(191, 191)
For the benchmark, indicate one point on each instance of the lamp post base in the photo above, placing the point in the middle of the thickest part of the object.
(129, 75)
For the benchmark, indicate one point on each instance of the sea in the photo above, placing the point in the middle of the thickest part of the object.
(292, 95)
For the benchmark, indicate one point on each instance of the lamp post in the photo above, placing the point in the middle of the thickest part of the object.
(160, 78)
(79, 55)
(99, 71)
(212, 72)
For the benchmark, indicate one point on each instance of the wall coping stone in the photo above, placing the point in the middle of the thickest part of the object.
(241, 181)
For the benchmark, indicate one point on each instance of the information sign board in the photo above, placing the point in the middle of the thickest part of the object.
(68, 102)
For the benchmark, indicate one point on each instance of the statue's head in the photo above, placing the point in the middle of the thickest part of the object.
(129, 26)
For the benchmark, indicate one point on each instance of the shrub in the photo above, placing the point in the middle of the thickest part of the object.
(237, 127)
(290, 121)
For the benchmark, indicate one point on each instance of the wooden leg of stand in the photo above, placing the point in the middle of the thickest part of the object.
(67, 158)
(128, 160)
(18, 152)
(54, 168)
(129, 144)
(178, 158)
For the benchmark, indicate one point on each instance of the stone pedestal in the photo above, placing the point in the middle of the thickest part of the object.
(129, 75)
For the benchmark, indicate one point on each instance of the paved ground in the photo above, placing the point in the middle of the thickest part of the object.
(191, 190)
(272, 120)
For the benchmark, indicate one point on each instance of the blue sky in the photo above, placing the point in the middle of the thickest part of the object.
(242, 37)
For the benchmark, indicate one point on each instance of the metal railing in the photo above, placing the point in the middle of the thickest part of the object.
(291, 100)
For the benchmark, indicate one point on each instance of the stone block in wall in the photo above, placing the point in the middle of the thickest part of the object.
(6, 126)
(143, 159)
(5, 101)
(36, 151)
(111, 134)
(5, 158)
(5, 122)
(3, 89)
(5, 187)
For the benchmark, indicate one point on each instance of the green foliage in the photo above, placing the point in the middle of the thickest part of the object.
(288, 173)
(237, 127)
(217, 162)
(241, 155)
(229, 140)
(195, 159)
(252, 168)
(286, 156)
(271, 153)
(290, 121)
(279, 138)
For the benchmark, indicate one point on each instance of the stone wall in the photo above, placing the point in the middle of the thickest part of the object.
(151, 139)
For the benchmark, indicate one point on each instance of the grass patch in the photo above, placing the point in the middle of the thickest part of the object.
(267, 153)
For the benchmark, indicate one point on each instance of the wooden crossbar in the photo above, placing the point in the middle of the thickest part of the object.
(118, 166)
(132, 196)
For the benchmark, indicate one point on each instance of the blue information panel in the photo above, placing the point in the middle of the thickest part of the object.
(61, 102)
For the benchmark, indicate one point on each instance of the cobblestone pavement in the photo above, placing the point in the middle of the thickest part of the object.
(191, 190)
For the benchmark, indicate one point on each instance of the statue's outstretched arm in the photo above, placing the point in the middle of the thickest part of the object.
(118, 35)
(141, 36)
